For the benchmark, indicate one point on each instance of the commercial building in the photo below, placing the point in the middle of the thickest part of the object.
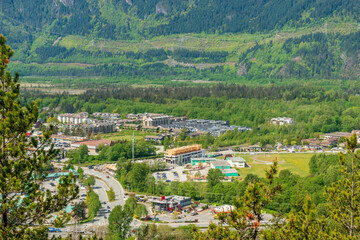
(73, 118)
(236, 162)
(281, 121)
(196, 161)
(220, 165)
(91, 144)
(66, 138)
(111, 168)
(230, 172)
(170, 203)
(183, 155)
(56, 175)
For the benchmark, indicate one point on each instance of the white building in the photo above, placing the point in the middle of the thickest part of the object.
(281, 121)
(106, 115)
(236, 162)
(224, 209)
(75, 118)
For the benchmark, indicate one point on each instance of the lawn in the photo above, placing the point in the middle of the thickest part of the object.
(125, 135)
(297, 163)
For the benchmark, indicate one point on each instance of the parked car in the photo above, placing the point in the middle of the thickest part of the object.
(107, 176)
(108, 207)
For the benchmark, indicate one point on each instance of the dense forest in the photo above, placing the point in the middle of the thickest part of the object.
(314, 109)
(130, 19)
(36, 30)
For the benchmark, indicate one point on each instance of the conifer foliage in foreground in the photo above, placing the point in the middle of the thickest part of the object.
(22, 204)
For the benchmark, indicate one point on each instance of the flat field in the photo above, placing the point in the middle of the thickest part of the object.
(125, 135)
(297, 163)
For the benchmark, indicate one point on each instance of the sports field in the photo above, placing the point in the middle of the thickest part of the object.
(297, 163)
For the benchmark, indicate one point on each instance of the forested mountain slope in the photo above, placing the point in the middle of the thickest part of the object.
(184, 39)
(126, 19)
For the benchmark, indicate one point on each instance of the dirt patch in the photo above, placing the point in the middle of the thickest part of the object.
(84, 65)
(173, 62)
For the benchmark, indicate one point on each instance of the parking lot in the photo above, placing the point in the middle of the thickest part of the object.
(175, 174)
(178, 173)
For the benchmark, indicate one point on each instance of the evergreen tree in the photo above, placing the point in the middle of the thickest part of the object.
(343, 196)
(119, 222)
(245, 218)
(21, 202)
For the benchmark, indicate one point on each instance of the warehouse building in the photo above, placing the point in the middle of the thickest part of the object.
(197, 161)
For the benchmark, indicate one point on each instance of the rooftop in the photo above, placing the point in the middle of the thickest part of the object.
(236, 159)
(220, 163)
(231, 170)
(182, 150)
(171, 199)
(94, 143)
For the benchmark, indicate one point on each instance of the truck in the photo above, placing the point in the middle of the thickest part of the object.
(52, 229)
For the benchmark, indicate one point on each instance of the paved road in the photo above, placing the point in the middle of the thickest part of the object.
(111, 182)
(102, 184)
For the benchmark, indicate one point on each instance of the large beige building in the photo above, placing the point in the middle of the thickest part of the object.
(183, 155)
(153, 119)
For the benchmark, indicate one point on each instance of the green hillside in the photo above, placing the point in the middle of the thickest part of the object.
(168, 40)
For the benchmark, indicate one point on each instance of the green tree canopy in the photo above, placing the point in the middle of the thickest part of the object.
(140, 210)
(119, 222)
(90, 181)
(21, 202)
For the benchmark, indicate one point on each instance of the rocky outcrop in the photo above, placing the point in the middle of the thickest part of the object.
(66, 3)
(242, 70)
(162, 8)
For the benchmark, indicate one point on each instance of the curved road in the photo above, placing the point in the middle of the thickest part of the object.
(111, 182)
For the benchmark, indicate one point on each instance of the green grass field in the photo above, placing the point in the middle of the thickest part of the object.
(125, 135)
(297, 163)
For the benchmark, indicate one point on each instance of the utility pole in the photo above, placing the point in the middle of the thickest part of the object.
(133, 149)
